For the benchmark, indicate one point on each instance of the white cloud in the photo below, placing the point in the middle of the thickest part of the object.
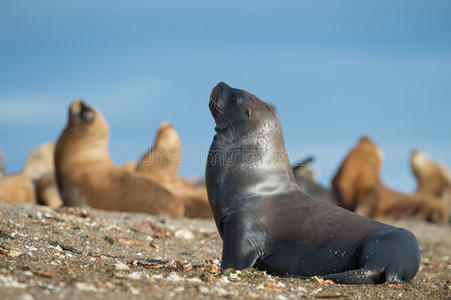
(29, 109)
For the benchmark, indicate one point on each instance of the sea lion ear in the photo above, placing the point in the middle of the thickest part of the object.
(248, 112)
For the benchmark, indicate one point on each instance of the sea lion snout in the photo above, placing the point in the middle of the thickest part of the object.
(80, 110)
(217, 98)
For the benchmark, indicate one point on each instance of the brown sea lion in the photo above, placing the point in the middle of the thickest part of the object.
(433, 178)
(129, 165)
(266, 221)
(17, 188)
(86, 175)
(2, 164)
(40, 161)
(40, 167)
(162, 162)
(47, 190)
(358, 188)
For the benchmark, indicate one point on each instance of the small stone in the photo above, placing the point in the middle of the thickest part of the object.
(86, 287)
(26, 297)
(120, 266)
(184, 234)
(135, 276)
(8, 281)
(134, 291)
(14, 252)
(281, 297)
(204, 289)
(174, 277)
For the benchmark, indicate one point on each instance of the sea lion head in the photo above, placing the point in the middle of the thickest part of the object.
(85, 120)
(165, 154)
(239, 110)
(433, 177)
(81, 114)
(85, 138)
(421, 164)
(248, 151)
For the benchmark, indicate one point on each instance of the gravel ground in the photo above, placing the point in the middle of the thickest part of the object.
(86, 253)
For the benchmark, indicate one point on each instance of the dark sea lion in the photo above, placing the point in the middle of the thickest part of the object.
(86, 175)
(359, 188)
(267, 222)
(305, 177)
(162, 162)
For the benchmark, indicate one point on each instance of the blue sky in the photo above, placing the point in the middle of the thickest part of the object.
(334, 69)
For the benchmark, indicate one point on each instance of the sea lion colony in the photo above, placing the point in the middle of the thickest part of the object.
(358, 187)
(78, 171)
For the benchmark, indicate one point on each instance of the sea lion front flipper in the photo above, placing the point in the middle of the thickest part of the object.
(238, 250)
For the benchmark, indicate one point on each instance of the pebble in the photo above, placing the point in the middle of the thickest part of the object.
(134, 291)
(86, 287)
(204, 289)
(174, 277)
(120, 266)
(184, 234)
(8, 281)
(14, 253)
(135, 276)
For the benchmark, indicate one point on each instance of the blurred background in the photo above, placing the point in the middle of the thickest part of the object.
(334, 69)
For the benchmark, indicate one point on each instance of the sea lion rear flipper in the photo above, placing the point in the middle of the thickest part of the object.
(360, 276)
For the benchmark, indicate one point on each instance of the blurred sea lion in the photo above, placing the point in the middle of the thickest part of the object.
(40, 161)
(17, 188)
(358, 188)
(47, 190)
(2, 164)
(162, 162)
(40, 167)
(432, 177)
(86, 175)
(305, 176)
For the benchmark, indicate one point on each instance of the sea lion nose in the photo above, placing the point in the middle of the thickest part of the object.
(217, 91)
(222, 84)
